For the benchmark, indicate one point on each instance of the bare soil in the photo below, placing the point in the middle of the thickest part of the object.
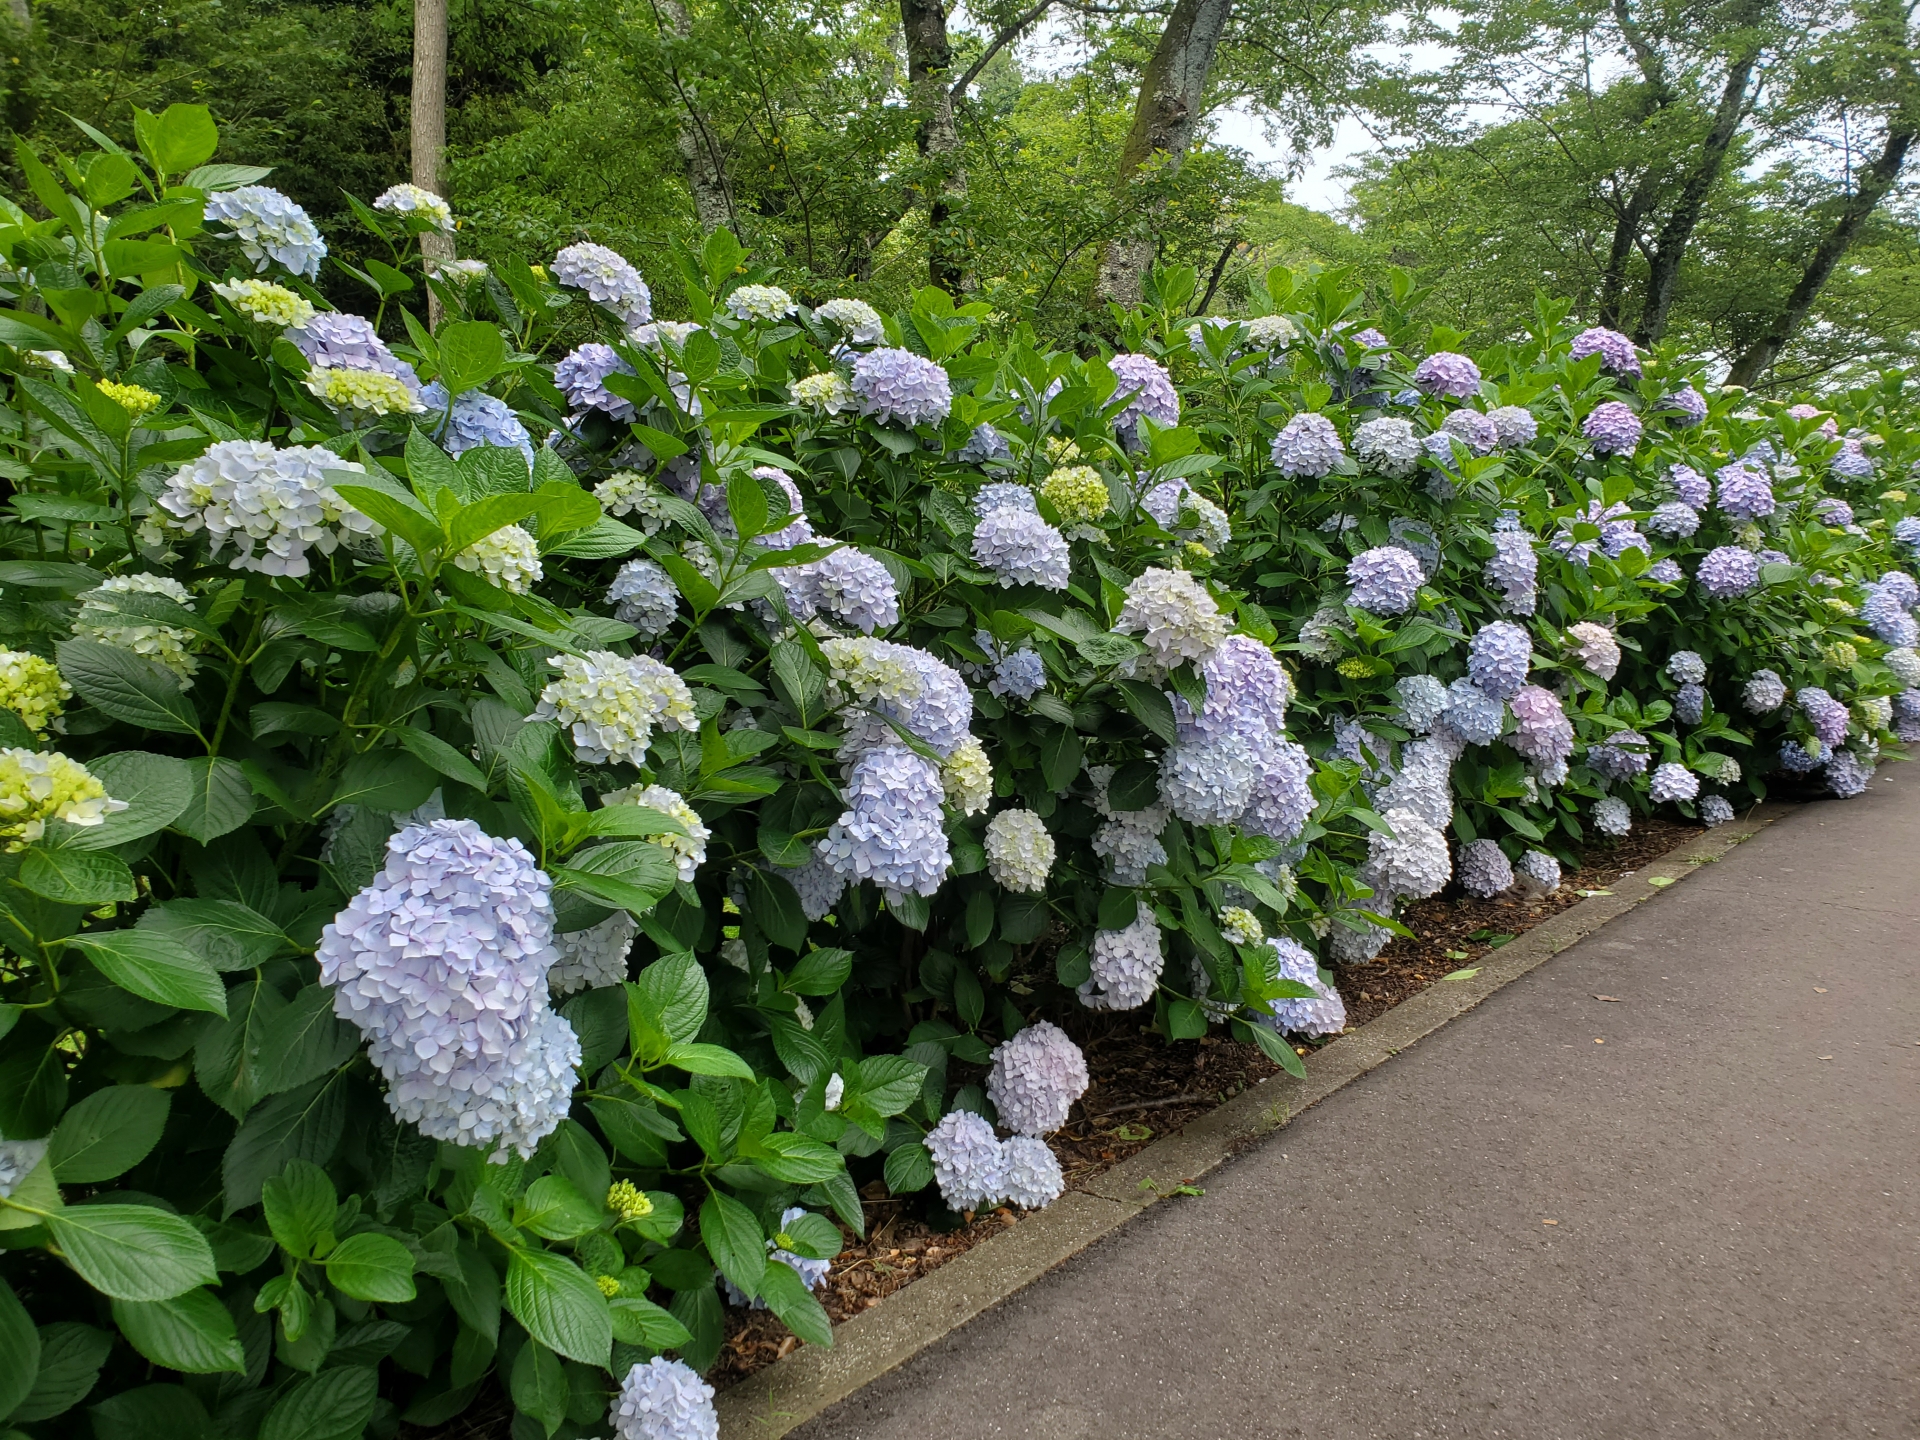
(1142, 1087)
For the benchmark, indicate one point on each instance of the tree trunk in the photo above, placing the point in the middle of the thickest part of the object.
(22, 16)
(1875, 181)
(1171, 94)
(1670, 245)
(1613, 284)
(429, 121)
(944, 176)
(699, 147)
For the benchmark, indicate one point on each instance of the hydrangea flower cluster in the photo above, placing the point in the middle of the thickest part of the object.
(1386, 580)
(1033, 1179)
(1621, 755)
(1472, 716)
(508, 558)
(1690, 703)
(765, 303)
(922, 694)
(38, 786)
(266, 303)
(1594, 647)
(1410, 864)
(442, 961)
(1472, 429)
(1542, 734)
(1514, 570)
(985, 446)
(1827, 715)
(1727, 572)
(967, 777)
(1127, 840)
(1149, 394)
(1387, 445)
(1616, 351)
(1672, 782)
(1174, 616)
(812, 1273)
(900, 387)
(827, 393)
(855, 319)
(688, 849)
(1674, 520)
(1687, 406)
(1018, 673)
(416, 204)
(969, 1163)
(612, 704)
(644, 596)
(594, 958)
(333, 341)
(1513, 426)
(1019, 851)
(1612, 817)
(1885, 611)
(607, 279)
(1021, 549)
(664, 1400)
(1484, 869)
(475, 418)
(1077, 493)
(1172, 502)
(1498, 658)
(628, 492)
(1325, 1014)
(100, 619)
(1745, 492)
(1126, 965)
(1847, 774)
(1448, 374)
(32, 688)
(1687, 667)
(847, 587)
(582, 377)
(1422, 700)
(1834, 512)
(1851, 462)
(1036, 1077)
(1307, 446)
(269, 227)
(270, 505)
(1612, 427)
(368, 391)
(891, 831)
(1537, 873)
(19, 1159)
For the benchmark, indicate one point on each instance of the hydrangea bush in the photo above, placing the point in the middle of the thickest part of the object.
(513, 828)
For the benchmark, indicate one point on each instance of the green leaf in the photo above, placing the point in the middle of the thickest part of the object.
(333, 1405)
(127, 686)
(300, 1203)
(641, 1322)
(1150, 707)
(539, 1385)
(1060, 754)
(222, 800)
(605, 539)
(305, 1041)
(192, 1333)
(820, 972)
(76, 877)
(787, 1296)
(108, 1133)
(228, 1059)
(20, 1345)
(799, 1159)
(71, 1355)
(33, 1087)
(441, 756)
(1274, 1047)
(372, 1267)
(155, 967)
(888, 1083)
(384, 780)
(775, 907)
(559, 1306)
(303, 1124)
(1135, 786)
(396, 512)
(153, 1412)
(735, 1240)
(132, 1252)
(672, 994)
(708, 1060)
(909, 1169)
(554, 1209)
(491, 513)
(813, 1236)
(472, 352)
(230, 935)
(178, 138)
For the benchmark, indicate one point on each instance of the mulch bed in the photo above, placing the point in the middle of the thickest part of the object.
(1143, 1088)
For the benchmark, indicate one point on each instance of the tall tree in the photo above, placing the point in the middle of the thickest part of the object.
(699, 145)
(943, 172)
(428, 122)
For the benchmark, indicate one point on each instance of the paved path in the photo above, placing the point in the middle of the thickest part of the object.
(1734, 1177)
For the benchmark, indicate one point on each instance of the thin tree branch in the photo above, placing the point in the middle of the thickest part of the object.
(999, 41)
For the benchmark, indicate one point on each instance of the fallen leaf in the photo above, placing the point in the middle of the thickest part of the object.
(1819, 989)
(1599, 1042)
(1612, 999)
(1462, 974)
(1549, 1222)
(1591, 893)
(1659, 880)
(1826, 1057)
(1456, 954)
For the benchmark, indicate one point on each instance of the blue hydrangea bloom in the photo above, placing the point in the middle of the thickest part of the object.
(1149, 394)
(1690, 704)
(1498, 658)
(477, 419)
(347, 342)
(664, 1400)
(1307, 446)
(607, 278)
(582, 376)
(892, 831)
(900, 387)
(269, 228)
(1514, 569)
(1422, 699)
(1386, 580)
(1020, 674)
(1687, 667)
(1619, 756)
(1325, 1014)
(1728, 572)
(1675, 520)
(1021, 549)
(985, 446)
(1745, 492)
(1473, 715)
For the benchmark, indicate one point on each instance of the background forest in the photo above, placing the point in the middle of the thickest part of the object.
(1729, 175)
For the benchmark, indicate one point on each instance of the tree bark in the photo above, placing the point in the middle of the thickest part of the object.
(1875, 181)
(1169, 106)
(1670, 245)
(429, 126)
(22, 16)
(944, 176)
(699, 147)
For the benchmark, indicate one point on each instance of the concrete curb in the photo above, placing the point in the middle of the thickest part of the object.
(784, 1395)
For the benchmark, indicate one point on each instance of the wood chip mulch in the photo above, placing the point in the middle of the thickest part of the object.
(1143, 1088)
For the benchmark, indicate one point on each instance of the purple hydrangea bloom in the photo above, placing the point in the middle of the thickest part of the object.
(1371, 338)
(442, 961)
(1386, 580)
(1847, 774)
(1764, 692)
(1886, 615)
(1690, 703)
(846, 586)
(1446, 373)
(1691, 486)
(1514, 570)
(1003, 495)
(1672, 782)
(1021, 549)
(1902, 587)
(347, 342)
(1834, 511)
(1036, 1077)
(1828, 716)
(1325, 1014)
(1666, 572)
(582, 378)
(1542, 733)
(969, 1164)
(607, 278)
(1307, 446)
(1687, 405)
(1126, 965)
(1687, 667)
(1851, 463)
(1728, 572)
(1474, 430)
(1615, 350)
(1149, 394)
(892, 831)
(1745, 491)
(1613, 428)
(1498, 657)
(1620, 756)
(898, 386)
(1483, 869)
(644, 596)
(1798, 759)
(1674, 520)
(1617, 534)
(1538, 873)
(476, 419)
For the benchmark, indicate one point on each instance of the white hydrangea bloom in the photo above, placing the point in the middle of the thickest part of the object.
(828, 393)
(1594, 647)
(38, 786)
(1019, 851)
(594, 958)
(1126, 965)
(412, 200)
(1174, 615)
(644, 596)
(613, 702)
(1410, 864)
(1241, 926)
(1905, 665)
(967, 777)
(1388, 446)
(1173, 501)
(607, 278)
(1537, 873)
(627, 492)
(858, 320)
(371, 392)
(270, 505)
(442, 961)
(689, 851)
(760, 302)
(1612, 817)
(509, 558)
(1672, 782)
(1033, 1179)
(1036, 1077)
(265, 303)
(1021, 549)
(664, 1400)
(97, 619)
(969, 1163)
